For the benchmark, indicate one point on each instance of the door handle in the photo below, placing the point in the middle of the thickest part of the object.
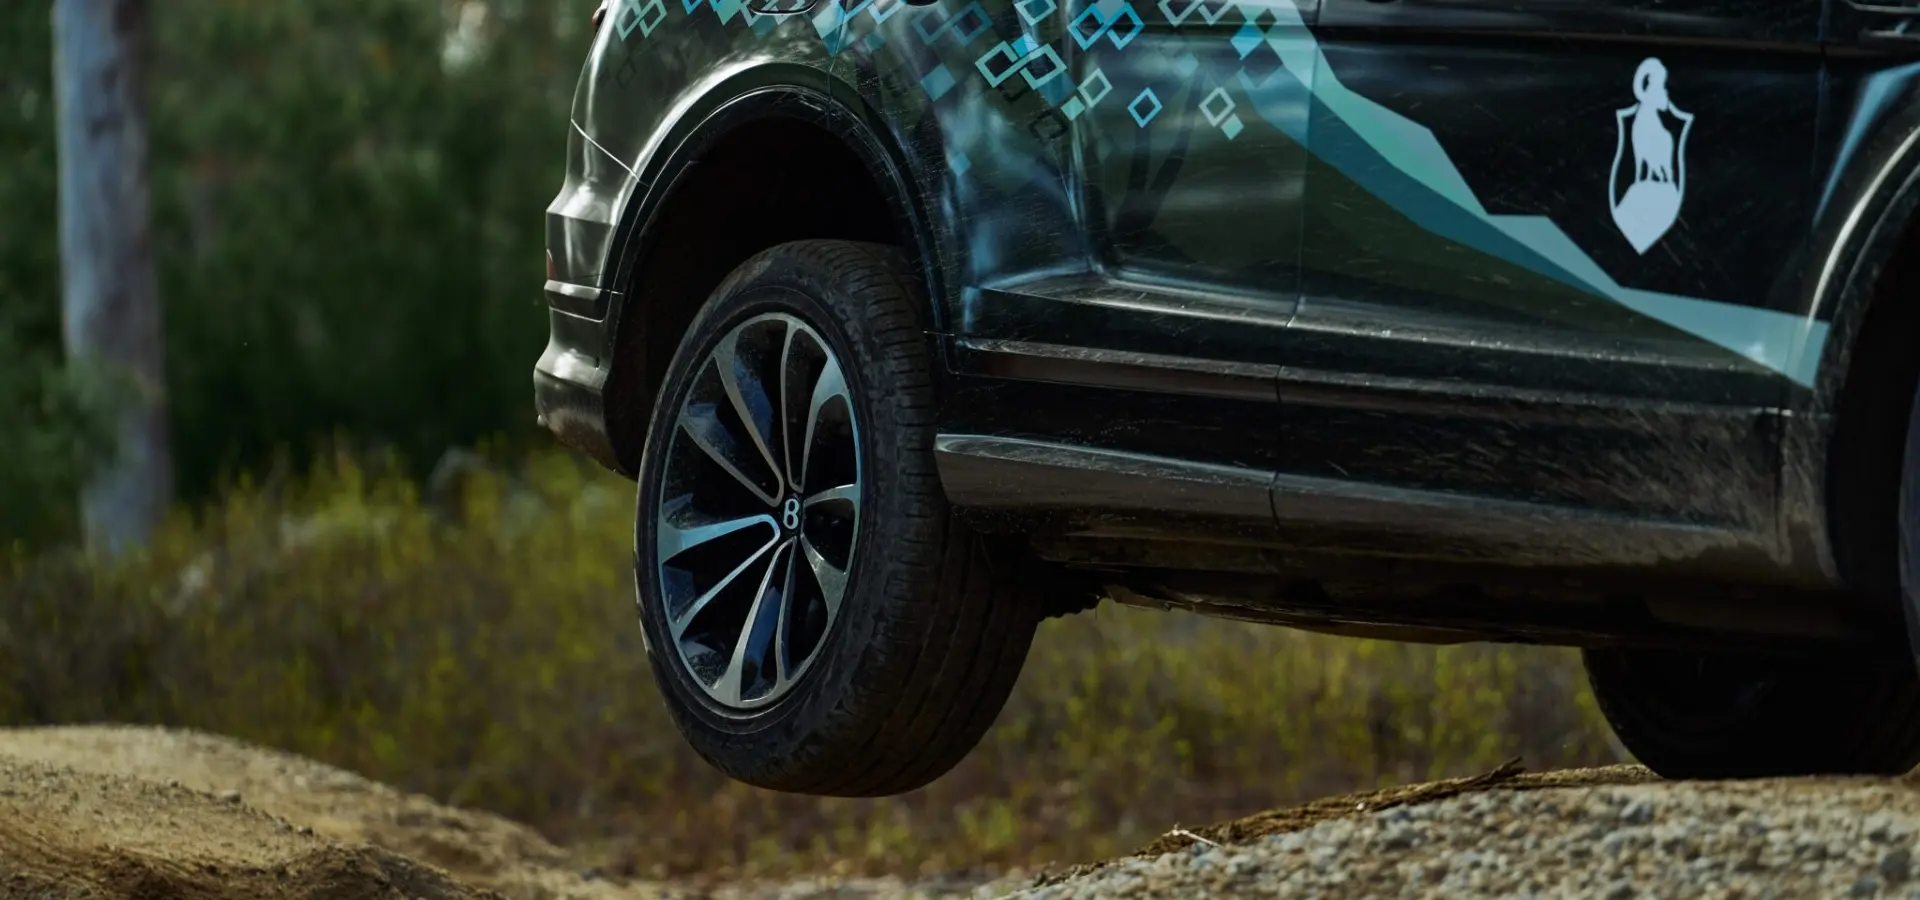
(1886, 9)
(779, 7)
(1898, 34)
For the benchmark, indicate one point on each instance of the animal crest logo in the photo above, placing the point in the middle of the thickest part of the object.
(1658, 182)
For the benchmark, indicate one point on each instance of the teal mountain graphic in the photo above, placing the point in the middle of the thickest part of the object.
(1402, 163)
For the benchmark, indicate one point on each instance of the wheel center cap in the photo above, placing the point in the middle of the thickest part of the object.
(790, 514)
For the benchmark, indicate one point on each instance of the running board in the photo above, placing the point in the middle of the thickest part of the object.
(1095, 491)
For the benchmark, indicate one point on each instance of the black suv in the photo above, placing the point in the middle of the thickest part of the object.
(1435, 320)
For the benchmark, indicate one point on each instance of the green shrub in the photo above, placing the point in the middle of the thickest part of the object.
(479, 647)
(56, 432)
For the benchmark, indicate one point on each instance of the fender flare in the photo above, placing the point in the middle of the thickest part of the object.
(1880, 208)
(772, 91)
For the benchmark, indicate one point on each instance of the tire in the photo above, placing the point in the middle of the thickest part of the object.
(890, 688)
(1711, 716)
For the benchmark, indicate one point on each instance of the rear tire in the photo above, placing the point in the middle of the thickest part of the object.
(773, 680)
(1687, 715)
(1694, 715)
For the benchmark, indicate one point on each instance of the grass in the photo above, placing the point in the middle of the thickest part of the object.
(479, 646)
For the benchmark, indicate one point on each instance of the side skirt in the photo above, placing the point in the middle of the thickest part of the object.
(1367, 560)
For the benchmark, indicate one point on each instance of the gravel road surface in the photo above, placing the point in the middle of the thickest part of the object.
(1787, 838)
(109, 812)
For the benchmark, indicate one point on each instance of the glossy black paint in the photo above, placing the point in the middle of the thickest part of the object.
(1262, 349)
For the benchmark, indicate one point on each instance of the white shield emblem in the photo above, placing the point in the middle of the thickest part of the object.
(1657, 181)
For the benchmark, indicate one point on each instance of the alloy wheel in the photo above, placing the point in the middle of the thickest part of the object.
(760, 512)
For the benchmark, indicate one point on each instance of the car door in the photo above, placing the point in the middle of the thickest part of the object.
(1193, 151)
(1117, 199)
(1599, 196)
(1103, 140)
(1549, 256)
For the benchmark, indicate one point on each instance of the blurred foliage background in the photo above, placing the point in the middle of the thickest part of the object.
(348, 200)
(347, 203)
(476, 643)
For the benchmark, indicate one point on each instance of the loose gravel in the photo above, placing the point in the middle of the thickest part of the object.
(1783, 838)
(143, 813)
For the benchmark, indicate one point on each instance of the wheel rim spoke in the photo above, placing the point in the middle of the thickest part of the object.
(832, 580)
(830, 385)
(786, 415)
(700, 430)
(846, 493)
(781, 648)
(726, 361)
(729, 689)
(680, 622)
(672, 540)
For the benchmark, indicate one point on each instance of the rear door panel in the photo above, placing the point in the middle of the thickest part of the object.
(1469, 159)
(1475, 319)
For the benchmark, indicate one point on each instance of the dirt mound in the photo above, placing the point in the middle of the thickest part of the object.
(113, 812)
(143, 812)
(69, 833)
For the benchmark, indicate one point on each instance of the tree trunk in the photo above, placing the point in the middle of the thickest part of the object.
(111, 309)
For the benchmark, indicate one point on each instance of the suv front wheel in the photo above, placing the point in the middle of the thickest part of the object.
(816, 620)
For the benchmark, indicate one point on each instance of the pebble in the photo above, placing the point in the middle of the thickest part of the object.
(1639, 812)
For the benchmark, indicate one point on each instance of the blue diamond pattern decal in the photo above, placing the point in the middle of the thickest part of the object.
(938, 82)
(1247, 38)
(1096, 87)
(1217, 106)
(1142, 118)
(1032, 11)
(1120, 28)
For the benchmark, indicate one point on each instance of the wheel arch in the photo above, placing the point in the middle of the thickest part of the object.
(708, 200)
(1844, 448)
